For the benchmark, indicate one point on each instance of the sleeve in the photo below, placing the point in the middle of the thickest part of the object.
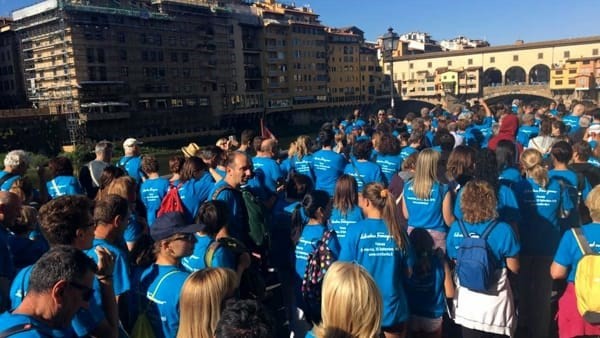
(565, 252)
(511, 246)
(451, 244)
(122, 282)
(379, 176)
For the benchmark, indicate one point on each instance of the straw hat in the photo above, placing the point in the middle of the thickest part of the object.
(190, 150)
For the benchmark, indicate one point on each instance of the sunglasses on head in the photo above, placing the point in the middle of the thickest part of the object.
(87, 293)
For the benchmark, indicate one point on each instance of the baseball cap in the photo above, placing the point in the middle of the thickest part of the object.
(131, 142)
(466, 115)
(171, 223)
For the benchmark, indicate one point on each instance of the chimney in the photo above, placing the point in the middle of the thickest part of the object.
(519, 42)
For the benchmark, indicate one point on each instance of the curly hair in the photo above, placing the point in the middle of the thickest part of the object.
(61, 217)
(478, 202)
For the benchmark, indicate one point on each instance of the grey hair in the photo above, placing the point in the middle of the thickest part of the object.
(102, 146)
(16, 158)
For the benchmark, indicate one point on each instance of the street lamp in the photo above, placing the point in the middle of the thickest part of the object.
(390, 44)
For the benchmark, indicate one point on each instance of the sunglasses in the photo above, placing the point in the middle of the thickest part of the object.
(189, 237)
(87, 293)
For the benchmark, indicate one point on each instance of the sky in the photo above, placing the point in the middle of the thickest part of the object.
(501, 22)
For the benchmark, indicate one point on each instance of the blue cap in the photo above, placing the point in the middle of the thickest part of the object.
(171, 223)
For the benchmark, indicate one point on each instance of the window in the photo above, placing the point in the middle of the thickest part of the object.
(595, 51)
(173, 57)
(123, 55)
(411, 66)
(572, 71)
(100, 55)
(121, 37)
(572, 81)
(185, 57)
(540, 56)
(515, 58)
(125, 71)
(429, 65)
(558, 82)
(449, 62)
(559, 72)
(492, 59)
(470, 62)
(567, 54)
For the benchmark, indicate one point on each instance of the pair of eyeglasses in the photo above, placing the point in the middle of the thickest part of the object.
(87, 293)
(189, 237)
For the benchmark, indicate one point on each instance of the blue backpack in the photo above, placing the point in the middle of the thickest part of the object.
(475, 263)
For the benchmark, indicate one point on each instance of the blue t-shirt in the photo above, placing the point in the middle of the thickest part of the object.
(389, 164)
(364, 173)
(328, 166)
(7, 267)
(510, 176)
(121, 272)
(238, 224)
(152, 192)
(570, 182)
(266, 173)
(540, 210)
(340, 222)
(132, 166)
(222, 258)
(307, 243)
(426, 213)
(569, 254)
(193, 193)
(63, 185)
(425, 289)
(502, 240)
(303, 166)
(134, 229)
(526, 133)
(9, 182)
(572, 122)
(163, 304)
(25, 251)
(85, 320)
(39, 329)
(508, 207)
(369, 244)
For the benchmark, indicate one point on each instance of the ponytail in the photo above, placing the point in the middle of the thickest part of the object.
(383, 200)
(531, 161)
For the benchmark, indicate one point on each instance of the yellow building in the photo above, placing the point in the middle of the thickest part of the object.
(343, 52)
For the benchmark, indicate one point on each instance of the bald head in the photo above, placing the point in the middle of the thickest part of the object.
(10, 207)
(268, 146)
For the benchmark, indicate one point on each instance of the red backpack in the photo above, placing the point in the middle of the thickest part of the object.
(171, 202)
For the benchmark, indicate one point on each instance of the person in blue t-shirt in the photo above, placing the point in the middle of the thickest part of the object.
(428, 286)
(565, 264)
(16, 163)
(477, 312)
(301, 162)
(360, 168)
(132, 161)
(194, 186)
(542, 202)
(125, 187)
(63, 182)
(388, 156)
(266, 172)
(111, 215)
(208, 251)
(316, 207)
(427, 203)
(328, 165)
(153, 189)
(68, 220)
(10, 204)
(345, 212)
(381, 246)
(572, 120)
(507, 159)
(160, 284)
(561, 154)
(23, 250)
(61, 285)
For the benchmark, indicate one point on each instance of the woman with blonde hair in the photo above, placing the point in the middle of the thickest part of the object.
(542, 201)
(380, 245)
(202, 298)
(490, 314)
(300, 161)
(125, 187)
(351, 303)
(426, 202)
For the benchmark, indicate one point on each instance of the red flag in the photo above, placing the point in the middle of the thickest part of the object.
(265, 132)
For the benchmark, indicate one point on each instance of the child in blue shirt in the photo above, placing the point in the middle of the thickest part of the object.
(153, 189)
(194, 186)
(346, 211)
(360, 168)
(380, 245)
(63, 182)
(328, 165)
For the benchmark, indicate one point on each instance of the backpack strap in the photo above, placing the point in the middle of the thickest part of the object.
(210, 253)
(489, 229)
(122, 165)
(219, 190)
(94, 179)
(160, 281)
(582, 242)
(357, 173)
(461, 225)
(6, 177)
(16, 329)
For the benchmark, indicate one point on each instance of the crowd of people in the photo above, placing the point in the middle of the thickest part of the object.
(469, 222)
